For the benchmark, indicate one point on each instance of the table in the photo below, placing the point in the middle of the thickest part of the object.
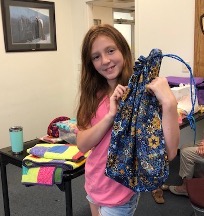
(197, 116)
(7, 157)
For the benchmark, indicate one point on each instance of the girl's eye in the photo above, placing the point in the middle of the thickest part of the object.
(95, 58)
(111, 51)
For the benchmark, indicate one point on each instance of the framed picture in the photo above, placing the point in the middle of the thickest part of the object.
(28, 25)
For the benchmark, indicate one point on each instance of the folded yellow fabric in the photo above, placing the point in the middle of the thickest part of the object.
(57, 151)
(46, 163)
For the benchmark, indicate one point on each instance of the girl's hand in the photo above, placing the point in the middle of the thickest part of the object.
(160, 88)
(114, 99)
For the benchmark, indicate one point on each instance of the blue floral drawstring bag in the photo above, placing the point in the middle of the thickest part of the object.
(137, 156)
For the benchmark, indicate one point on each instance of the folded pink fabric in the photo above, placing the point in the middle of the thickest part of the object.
(45, 175)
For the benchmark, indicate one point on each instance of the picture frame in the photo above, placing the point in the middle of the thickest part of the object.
(28, 25)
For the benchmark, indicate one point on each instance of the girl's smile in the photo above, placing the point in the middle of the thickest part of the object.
(109, 69)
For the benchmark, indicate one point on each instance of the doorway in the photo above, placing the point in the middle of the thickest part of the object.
(124, 21)
(120, 14)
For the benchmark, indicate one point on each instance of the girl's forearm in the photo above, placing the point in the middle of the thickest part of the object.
(171, 128)
(89, 138)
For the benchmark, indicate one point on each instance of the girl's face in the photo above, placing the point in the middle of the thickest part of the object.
(107, 58)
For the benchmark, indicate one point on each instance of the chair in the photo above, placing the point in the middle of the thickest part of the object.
(195, 189)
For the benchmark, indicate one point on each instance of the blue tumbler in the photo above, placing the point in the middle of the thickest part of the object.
(16, 138)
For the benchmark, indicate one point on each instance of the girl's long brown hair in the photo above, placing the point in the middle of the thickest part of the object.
(93, 86)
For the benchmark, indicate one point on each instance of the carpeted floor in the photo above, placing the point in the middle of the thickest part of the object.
(50, 201)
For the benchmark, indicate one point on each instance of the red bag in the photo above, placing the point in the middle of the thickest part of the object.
(52, 129)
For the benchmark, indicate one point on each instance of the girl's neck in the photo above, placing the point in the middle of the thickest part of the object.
(111, 90)
(112, 84)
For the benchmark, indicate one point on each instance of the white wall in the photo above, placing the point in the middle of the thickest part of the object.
(168, 25)
(103, 13)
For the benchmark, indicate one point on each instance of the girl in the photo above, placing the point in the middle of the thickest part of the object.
(106, 68)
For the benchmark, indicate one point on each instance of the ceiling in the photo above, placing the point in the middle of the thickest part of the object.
(118, 4)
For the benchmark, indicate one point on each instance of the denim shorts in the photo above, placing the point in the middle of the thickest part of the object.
(128, 209)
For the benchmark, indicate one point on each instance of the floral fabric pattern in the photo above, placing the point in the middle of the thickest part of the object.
(137, 156)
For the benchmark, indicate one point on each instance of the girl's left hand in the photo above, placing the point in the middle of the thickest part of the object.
(160, 88)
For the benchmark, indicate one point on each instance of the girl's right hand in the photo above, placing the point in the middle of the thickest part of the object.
(115, 98)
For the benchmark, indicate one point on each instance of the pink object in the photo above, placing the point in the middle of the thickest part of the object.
(46, 175)
(180, 120)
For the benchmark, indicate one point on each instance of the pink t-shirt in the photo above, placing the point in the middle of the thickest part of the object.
(103, 190)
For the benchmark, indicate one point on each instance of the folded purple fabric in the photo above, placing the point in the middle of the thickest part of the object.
(199, 81)
(174, 80)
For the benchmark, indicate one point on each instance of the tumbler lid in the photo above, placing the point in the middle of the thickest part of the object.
(15, 128)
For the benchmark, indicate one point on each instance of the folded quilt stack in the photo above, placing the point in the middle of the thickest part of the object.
(46, 163)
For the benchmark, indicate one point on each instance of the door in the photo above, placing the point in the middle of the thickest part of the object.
(124, 21)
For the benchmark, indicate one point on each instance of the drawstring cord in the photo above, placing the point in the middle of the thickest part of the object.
(190, 116)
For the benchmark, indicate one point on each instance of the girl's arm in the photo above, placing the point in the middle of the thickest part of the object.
(162, 91)
(87, 139)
